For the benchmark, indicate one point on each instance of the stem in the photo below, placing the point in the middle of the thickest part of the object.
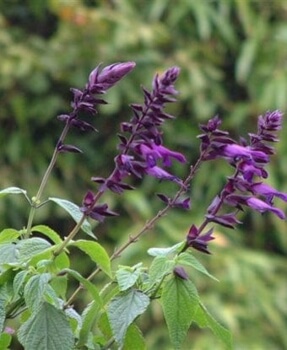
(149, 224)
(37, 199)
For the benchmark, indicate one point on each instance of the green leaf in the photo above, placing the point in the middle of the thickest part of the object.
(13, 190)
(47, 329)
(134, 339)
(9, 235)
(124, 309)
(127, 276)
(96, 252)
(75, 213)
(165, 251)
(89, 316)
(5, 340)
(48, 232)
(160, 267)
(2, 315)
(189, 260)
(8, 253)
(179, 302)
(18, 282)
(30, 247)
(35, 289)
(203, 319)
(87, 284)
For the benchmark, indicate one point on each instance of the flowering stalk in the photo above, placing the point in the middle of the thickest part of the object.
(84, 101)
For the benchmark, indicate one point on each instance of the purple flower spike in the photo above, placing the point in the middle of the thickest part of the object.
(109, 76)
(197, 241)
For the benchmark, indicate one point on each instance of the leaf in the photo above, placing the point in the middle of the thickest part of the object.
(48, 329)
(35, 289)
(127, 277)
(189, 260)
(30, 247)
(124, 309)
(179, 302)
(203, 319)
(48, 232)
(75, 213)
(2, 315)
(9, 235)
(96, 252)
(87, 284)
(13, 190)
(160, 267)
(8, 253)
(18, 281)
(89, 316)
(134, 339)
(5, 340)
(165, 251)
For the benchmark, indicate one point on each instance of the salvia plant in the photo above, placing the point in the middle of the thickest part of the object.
(36, 278)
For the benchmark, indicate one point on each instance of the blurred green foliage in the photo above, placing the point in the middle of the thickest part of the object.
(233, 60)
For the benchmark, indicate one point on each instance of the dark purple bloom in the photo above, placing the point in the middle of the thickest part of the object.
(183, 203)
(161, 174)
(227, 220)
(100, 81)
(153, 152)
(267, 191)
(236, 152)
(199, 241)
(180, 272)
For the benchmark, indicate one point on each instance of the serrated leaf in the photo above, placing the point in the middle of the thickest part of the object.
(30, 247)
(18, 281)
(96, 252)
(165, 251)
(127, 277)
(203, 319)
(8, 253)
(134, 339)
(35, 289)
(48, 329)
(9, 235)
(189, 260)
(124, 309)
(2, 315)
(179, 302)
(89, 316)
(48, 232)
(160, 267)
(75, 213)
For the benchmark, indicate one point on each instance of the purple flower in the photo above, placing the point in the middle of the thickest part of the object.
(197, 240)
(100, 81)
(261, 206)
(161, 174)
(267, 191)
(236, 152)
(153, 152)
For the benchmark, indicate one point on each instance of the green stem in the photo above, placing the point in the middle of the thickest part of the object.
(37, 199)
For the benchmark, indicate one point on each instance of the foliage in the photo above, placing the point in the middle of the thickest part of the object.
(232, 56)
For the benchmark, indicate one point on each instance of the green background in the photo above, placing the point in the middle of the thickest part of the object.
(233, 60)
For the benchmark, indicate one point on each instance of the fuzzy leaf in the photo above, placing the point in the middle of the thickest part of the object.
(165, 251)
(89, 317)
(189, 260)
(48, 232)
(127, 277)
(179, 302)
(124, 309)
(96, 252)
(160, 267)
(30, 247)
(13, 190)
(47, 329)
(2, 314)
(35, 289)
(75, 213)
(203, 319)
(9, 235)
(5, 340)
(134, 339)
